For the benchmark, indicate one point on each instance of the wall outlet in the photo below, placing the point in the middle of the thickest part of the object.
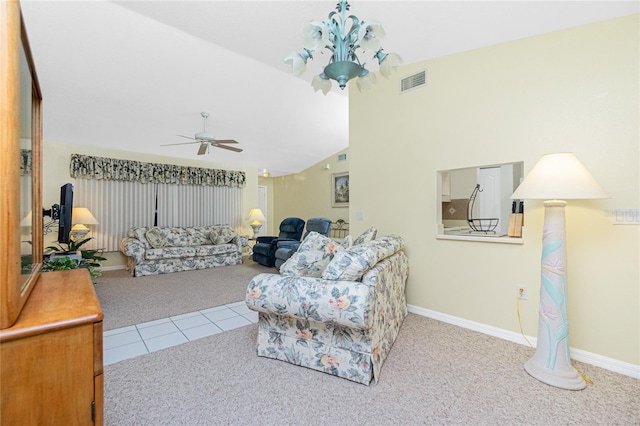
(522, 292)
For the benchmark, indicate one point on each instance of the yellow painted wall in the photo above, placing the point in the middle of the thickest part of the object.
(57, 156)
(308, 193)
(574, 90)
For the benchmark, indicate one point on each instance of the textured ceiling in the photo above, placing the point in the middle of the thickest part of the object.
(132, 75)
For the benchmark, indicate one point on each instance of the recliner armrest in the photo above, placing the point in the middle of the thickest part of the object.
(287, 243)
(265, 240)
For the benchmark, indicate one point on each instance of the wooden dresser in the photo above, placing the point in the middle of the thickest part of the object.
(51, 358)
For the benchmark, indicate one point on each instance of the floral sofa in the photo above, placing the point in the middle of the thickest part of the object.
(153, 250)
(333, 309)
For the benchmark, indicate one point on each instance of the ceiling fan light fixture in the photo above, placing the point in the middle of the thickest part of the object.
(205, 136)
(206, 139)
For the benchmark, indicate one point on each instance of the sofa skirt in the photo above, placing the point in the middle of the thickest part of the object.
(338, 351)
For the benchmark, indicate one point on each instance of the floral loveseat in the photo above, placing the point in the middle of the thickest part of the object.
(333, 309)
(156, 250)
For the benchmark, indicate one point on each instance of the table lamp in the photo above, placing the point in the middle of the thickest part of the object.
(256, 218)
(80, 217)
(554, 178)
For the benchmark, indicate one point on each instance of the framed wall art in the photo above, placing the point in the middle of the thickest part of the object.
(340, 190)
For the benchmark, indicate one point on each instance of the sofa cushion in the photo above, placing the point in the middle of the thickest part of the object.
(139, 233)
(313, 255)
(346, 242)
(176, 237)
(197, 236)
(169, 253)
(366, 236)
(212, 250)
(353, 263)
(156, 238)
(222, 234)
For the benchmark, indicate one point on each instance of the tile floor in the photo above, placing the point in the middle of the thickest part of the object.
(129, 342)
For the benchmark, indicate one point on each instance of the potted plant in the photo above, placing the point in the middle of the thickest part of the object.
(90, 258)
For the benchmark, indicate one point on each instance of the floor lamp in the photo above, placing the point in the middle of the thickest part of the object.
(256, 217)
(554, 178)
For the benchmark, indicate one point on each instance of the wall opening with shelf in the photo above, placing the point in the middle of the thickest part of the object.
(474, 202)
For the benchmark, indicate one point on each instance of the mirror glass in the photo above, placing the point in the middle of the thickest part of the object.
(476, 200)
(26, 216)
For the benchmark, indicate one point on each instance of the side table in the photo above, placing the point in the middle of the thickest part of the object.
(248, 249)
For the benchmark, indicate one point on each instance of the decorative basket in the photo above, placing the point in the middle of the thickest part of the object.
(485, 225)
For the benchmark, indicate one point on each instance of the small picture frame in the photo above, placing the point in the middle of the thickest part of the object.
(340, 189)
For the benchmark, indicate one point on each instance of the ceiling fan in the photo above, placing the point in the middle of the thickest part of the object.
(206, 139)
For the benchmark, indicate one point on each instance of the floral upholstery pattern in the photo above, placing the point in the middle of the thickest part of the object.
(352, 263)
(366, 236)
(346, 242)
(156, 238)
(340, 327)
(184, 249)
(313, 255)
(221, 234)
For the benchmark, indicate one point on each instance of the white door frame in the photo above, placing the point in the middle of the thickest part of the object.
(263, 205)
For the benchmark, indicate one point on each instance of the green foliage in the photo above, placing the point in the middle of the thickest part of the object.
(90, 258)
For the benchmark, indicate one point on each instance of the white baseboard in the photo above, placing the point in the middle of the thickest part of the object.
(607, 363)
(112, 268)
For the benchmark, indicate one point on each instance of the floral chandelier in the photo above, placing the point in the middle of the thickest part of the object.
(343, 43)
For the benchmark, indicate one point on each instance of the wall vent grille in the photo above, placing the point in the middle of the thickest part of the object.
(342, 157)
(413, 81)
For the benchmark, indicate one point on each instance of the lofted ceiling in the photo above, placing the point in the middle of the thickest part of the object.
(132, 75)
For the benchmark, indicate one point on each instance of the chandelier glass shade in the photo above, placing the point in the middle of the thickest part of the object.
(343, 42)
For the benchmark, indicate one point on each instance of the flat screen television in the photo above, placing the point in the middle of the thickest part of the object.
(66, 209)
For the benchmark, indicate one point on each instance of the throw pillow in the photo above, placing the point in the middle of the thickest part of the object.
(366, 236)
(139, 233)
(346, 242)
(353, 263)
(222, 235)
(156, 238)
(313, 255)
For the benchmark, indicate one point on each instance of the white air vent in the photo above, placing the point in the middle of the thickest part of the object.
(342, 157)
(413, 81)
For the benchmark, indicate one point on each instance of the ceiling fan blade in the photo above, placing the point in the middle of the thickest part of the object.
(226, 141)
(230, 148)
(181, 143)
(187, 137)
(203, 148)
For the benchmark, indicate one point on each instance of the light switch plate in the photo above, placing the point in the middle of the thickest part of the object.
(626, 216)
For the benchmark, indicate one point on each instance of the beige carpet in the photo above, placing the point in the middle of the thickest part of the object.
(126, 300)
(436, 373)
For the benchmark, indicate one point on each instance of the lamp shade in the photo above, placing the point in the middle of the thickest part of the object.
(82, 215)
(559, 176)
(256, 215)
(27, 220)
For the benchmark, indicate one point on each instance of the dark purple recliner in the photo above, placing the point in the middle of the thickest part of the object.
(264, 251)
(285, 249)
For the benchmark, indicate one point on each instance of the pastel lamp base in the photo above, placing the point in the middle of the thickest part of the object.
(551, 364)
(568, 379)
(78, 232)
(256, 228)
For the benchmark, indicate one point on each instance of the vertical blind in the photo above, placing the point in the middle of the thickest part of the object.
(120, 205)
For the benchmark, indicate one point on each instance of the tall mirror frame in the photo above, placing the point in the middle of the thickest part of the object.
(19, 271)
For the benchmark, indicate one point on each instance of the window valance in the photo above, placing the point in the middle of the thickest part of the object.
(89, 167)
